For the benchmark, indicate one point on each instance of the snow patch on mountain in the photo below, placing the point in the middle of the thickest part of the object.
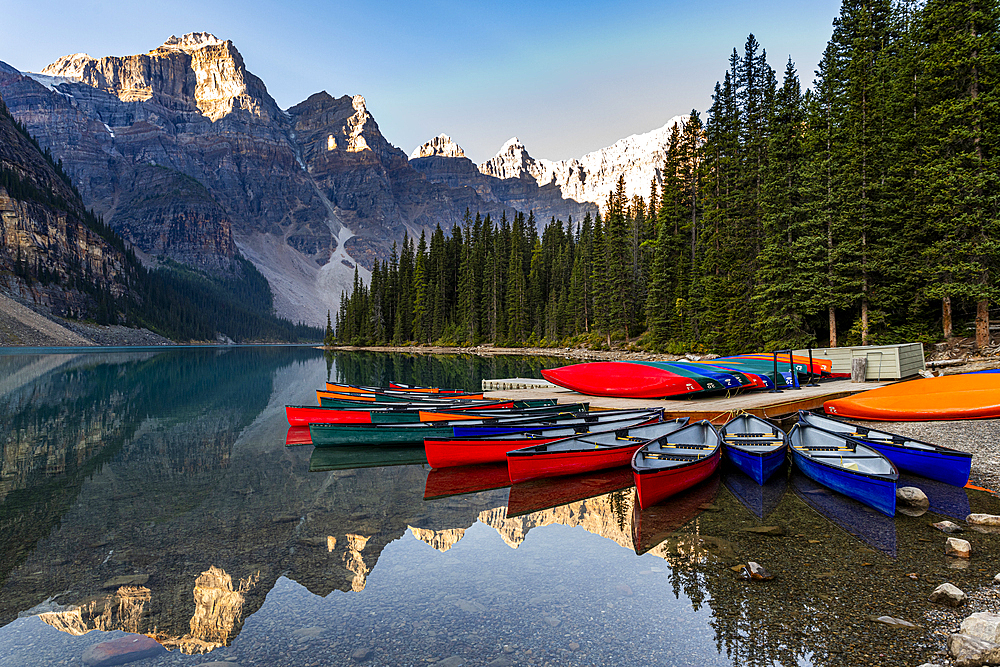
(593, 177)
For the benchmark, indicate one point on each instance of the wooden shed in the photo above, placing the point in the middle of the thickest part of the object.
(885, 362)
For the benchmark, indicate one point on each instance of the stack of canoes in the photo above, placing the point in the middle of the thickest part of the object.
(682, 379)
(523, 441)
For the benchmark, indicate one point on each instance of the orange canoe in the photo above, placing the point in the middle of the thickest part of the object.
(966, 396)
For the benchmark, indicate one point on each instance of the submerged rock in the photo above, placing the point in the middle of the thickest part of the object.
(765, 530)
(959, 548)
(122, 650)
(897, 623)
(948, 594)
(948, 527)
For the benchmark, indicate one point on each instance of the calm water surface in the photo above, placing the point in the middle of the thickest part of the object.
(151, 491)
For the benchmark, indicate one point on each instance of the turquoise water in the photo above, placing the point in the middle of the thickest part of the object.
(151, 491)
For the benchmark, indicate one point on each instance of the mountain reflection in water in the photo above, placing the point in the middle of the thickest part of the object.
(152, 492)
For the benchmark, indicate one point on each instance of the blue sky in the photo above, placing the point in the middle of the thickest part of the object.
(567, 78)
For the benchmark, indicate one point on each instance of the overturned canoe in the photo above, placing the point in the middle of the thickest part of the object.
(914, 456)
(630, 380)
(845, 465)
(964, 396)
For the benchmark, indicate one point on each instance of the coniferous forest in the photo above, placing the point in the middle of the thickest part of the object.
(861, 210)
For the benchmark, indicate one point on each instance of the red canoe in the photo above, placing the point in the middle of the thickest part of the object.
(463, 451)
(618, 378)
(669, 465)
(652, 526)
(585, 453)
(303, 415)
(298, 435)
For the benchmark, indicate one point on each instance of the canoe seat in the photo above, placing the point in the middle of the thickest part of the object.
(824, 449)
(753, 435)
(671, 456)
(756, 441)
(682, 445)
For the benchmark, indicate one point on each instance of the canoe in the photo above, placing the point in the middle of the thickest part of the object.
(651, 526)
(382, 397)
(759, 499)
(541, 494)
(624, 379)
(944, 499)
(430, 404)
(324, 459)
(303, 415)
(327, 435)
(585, 453)
(914, 456)
(666, 466)
(464, 448)
(730, 380)
(755, 446)
(402, 386)
(460, 480)
(963, 396)
(866, 524)
(845, 465)
(363, 389)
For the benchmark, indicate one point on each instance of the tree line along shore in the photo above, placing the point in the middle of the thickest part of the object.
(860, 211)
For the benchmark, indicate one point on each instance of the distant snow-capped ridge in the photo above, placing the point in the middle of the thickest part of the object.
(192, 40)
(441, 145)
(593, 177)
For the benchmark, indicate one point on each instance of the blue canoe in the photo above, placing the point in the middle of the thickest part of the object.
(845, 465)
(920, 458)
(754, 446)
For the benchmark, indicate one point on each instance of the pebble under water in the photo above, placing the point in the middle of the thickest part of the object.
(152, 492)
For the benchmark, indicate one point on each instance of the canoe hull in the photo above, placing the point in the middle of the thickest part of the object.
(336, 435)
(758, 466)
(655, 486)
(876, 493)
(950, 397)
(450, 452)
(612, 378)
(953, 469)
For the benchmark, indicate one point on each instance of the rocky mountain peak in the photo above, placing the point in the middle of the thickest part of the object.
(511, 161)
(192, 41)
(71, 67)
(442, 145)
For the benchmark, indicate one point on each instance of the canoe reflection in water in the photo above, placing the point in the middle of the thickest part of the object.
(760, 500)
(542, 494)
(653, 525)
(324, 459)
(863, 522)
(459, 480)
(945, 499)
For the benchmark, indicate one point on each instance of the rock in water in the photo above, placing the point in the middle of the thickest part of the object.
(754, 571)
(765, 530)
(897, 623)
(972, 651)
(983, 520)
(948, 527)
(953, 546)
(361, 654)
(948, 594)
(122, 650)
(912, 497)
(982, 625)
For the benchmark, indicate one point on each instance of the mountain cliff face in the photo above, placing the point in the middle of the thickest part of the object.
(49, 255)
(184, 152)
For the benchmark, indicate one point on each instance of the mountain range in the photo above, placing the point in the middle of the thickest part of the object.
(183, 152)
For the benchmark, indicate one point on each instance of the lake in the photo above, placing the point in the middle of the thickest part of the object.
(151, 491)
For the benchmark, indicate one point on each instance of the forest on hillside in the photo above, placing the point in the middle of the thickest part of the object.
(863, 210)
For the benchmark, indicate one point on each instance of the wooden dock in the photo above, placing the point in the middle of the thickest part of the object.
(716, 409)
